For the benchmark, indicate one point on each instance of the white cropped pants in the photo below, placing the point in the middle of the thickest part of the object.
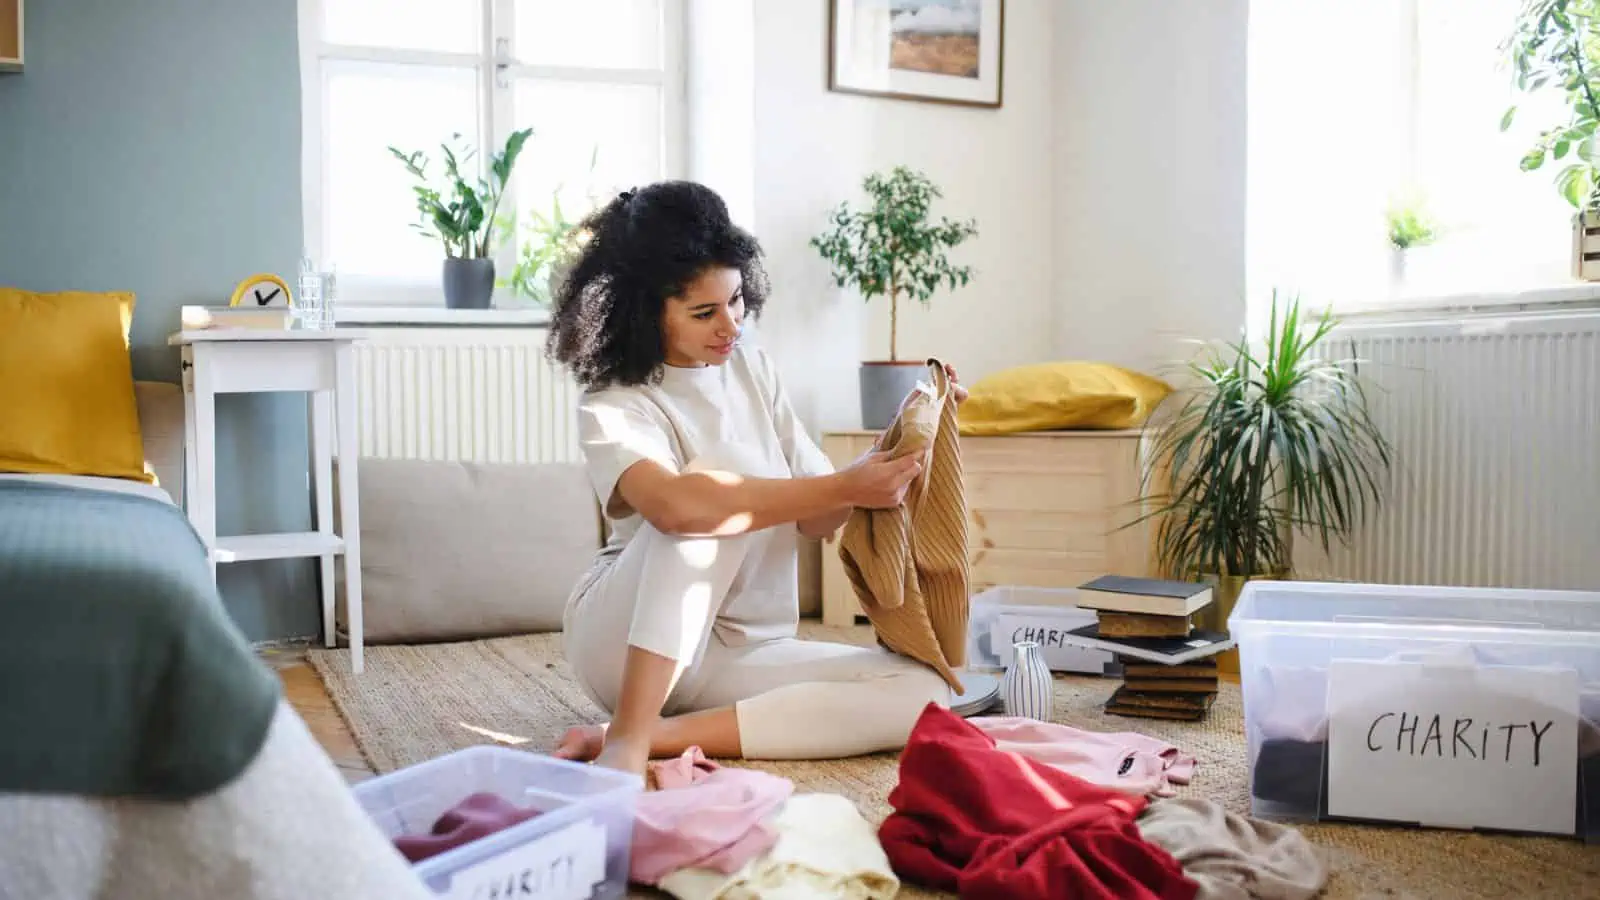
(794, 699)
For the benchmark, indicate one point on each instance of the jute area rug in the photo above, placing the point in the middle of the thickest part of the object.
(414, 703)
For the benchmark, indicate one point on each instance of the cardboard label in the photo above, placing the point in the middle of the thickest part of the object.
(1454, 746)
(563, 865)
(1053, 635)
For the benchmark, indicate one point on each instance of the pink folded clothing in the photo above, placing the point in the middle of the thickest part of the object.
(1123, 761)
(477, 816)
(703, 815)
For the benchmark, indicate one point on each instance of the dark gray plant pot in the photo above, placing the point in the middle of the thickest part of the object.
(884, 386)
(468, 283)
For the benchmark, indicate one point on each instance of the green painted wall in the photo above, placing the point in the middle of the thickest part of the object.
(154, 146)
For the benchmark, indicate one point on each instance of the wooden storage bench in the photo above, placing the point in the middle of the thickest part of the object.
(1043, 510)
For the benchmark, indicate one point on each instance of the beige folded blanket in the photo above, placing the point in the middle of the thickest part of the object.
(909, 565)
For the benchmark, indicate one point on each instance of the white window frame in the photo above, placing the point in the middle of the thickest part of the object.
(497, 73)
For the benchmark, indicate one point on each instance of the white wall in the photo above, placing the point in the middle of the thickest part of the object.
(811, 148)
(1149, 150)
(1109, 188)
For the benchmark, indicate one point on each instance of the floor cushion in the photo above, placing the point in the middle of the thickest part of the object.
(459, 550)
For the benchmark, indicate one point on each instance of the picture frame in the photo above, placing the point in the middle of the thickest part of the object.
(940, 51)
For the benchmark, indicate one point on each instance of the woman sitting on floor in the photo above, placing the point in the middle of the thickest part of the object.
(684, 628)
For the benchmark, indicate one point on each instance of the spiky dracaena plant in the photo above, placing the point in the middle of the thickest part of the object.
(1265, 442)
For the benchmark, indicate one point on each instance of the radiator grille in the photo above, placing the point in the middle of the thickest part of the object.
(480, 395)
(1496, 429)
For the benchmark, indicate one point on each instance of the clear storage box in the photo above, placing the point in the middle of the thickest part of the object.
(1037, 614)
(1432, 706)
(576, 848)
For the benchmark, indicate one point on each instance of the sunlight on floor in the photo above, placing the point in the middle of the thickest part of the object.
(490, 733)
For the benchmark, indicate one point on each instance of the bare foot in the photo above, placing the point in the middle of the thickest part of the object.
(581, 743)
(624, 756)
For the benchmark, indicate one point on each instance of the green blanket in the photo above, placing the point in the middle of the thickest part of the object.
(120, 672)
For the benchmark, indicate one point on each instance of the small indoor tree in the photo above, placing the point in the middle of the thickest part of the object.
(892, 248)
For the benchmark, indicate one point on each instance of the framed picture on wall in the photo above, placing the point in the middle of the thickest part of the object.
(947, 51)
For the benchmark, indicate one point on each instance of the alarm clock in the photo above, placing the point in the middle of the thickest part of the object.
(263, 290)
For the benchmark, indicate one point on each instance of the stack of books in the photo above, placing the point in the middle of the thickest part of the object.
(1161, 691)
(1169, 670)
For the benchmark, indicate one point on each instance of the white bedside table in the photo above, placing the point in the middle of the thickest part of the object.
(321, 363)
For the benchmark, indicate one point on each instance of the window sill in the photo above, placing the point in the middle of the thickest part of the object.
(516, 317)
(1543, 298)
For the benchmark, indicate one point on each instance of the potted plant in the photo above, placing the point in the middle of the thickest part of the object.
(1555, 46)
(462, 215)
(1262, 443)
(893, 249)
(1410, 226)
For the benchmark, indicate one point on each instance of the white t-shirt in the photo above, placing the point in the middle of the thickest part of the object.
(733, 416)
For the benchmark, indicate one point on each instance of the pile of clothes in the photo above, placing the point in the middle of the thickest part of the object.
(987, 819)
(986, 807)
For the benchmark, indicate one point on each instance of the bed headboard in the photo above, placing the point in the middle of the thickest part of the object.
(161, 424)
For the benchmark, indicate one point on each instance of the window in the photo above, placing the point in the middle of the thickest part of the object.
(599, 81)
(1353, 105)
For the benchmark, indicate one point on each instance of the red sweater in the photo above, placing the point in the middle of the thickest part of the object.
(987, 823)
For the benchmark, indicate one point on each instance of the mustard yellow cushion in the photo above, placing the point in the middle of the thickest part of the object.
(66, 385)
(1060, 395)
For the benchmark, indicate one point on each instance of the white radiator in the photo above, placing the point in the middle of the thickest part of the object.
(1495, 424)
(473, 394)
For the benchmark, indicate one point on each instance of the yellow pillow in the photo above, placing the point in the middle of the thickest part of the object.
(66, 385)
(1058, 396)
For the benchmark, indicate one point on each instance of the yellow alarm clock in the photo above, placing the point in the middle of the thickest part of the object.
(261, 290)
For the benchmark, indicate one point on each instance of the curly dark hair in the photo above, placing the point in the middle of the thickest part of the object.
(643, 247)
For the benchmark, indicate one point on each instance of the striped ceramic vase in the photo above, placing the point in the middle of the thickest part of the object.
(1028, 686)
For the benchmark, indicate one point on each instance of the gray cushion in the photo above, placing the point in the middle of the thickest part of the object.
(458, 550)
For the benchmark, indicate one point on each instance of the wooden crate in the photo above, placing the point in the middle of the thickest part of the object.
(1043, 510)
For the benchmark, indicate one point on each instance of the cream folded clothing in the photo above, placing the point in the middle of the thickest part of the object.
(824, 849)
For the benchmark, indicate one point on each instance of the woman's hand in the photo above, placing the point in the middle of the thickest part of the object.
(956, 390)
(877, 481)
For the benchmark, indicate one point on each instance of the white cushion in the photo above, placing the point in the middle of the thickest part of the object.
(459, 550)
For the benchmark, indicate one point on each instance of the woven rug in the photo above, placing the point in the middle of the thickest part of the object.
(414, 703)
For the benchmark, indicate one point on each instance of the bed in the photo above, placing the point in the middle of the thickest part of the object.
(145, 751)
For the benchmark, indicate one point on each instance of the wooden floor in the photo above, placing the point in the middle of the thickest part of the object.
(310, 699)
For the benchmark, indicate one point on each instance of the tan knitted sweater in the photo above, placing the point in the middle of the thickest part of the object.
(909, 564)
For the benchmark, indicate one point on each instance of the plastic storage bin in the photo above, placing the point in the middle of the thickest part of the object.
(575, 849)
(1050, 611)
(1422, 705)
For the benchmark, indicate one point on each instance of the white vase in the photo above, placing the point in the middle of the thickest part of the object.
(1028, 688)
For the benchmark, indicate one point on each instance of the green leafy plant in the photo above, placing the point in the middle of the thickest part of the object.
(1555, 46)
(1410, 224)
(1263, 443)
(891, 248)
(462, 214)
(546, 245)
